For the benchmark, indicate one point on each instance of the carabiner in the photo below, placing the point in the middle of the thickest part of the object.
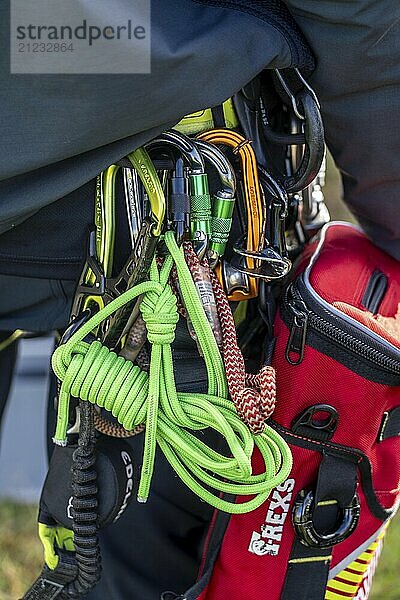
(99, 260)
(303, 512)
(314, 147)
(223, 201)
(141, 160)
(276, 215)
(290, 95)
(134, 201)
(183, 145)
(247, 287)
(309, 116)
(179, 201)
(138, 263)
(271, 265)
(200, 201)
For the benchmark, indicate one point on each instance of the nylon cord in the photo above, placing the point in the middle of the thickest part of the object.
(91, 372)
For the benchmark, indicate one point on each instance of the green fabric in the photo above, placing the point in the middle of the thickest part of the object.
(52, 538)
(93, 373)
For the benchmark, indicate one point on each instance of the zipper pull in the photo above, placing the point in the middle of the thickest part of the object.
(297, 338)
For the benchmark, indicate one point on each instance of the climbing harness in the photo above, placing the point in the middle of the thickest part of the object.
(115, 365)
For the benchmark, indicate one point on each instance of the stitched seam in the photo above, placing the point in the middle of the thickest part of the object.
(353, 453)
(40, 259)
(370, 493)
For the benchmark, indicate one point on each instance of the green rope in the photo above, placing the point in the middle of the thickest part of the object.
(94, 373)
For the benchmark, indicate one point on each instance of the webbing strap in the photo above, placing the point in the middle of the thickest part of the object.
(308, 567)
(307, 573)
(51, 584)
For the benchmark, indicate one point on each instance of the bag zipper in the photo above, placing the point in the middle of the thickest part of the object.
(300, 311)
(298, 333)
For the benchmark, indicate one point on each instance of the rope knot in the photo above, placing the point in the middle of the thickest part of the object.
(248, 404)
(159, 312)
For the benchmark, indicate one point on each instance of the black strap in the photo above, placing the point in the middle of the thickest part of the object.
(308, 567)
(218, 116)
(307, 573)
(337, 480)
(390, 426)
(51, 584)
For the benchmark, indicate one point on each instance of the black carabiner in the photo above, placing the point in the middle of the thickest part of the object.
(303, 512)
(314, 144)
(183, 145)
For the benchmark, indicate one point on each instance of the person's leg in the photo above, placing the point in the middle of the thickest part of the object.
(156, 546)
(358, 82)
(8, 357)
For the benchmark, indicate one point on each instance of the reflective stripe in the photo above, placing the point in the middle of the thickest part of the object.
(347, 583)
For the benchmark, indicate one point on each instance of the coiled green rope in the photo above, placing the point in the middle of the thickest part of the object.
(94, 373)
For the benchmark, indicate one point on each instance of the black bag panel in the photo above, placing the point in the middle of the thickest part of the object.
(51, 243)
(34, 304)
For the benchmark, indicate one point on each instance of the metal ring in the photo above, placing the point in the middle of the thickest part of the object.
(302, 516)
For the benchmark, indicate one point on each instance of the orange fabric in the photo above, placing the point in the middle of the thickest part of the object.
(387, 327)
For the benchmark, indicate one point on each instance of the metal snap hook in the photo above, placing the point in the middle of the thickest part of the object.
(268, 264)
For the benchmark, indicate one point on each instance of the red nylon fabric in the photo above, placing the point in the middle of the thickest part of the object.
(340, 273)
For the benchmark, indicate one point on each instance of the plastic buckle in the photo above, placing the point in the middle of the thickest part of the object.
(320, 419)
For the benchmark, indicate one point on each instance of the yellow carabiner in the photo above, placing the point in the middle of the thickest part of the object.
(144, 166)
(104, 217)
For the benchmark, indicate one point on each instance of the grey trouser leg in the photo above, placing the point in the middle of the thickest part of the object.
(8, 358)
(357, 45)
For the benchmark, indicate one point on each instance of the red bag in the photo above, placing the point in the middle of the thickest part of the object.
(337, 361)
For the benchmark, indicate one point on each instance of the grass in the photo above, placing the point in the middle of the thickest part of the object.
(20, 550)
(386, 580)
(21, 555)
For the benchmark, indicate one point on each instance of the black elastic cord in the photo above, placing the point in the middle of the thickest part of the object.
(85, 514)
